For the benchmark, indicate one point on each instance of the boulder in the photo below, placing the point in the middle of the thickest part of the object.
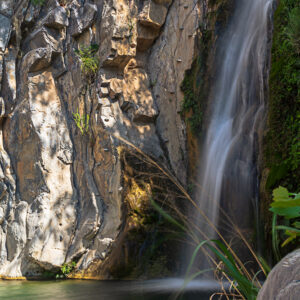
(284, 280)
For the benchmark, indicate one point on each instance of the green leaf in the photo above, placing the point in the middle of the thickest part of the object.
(265, 265)
(280, 194)
(289, 239)
(290, 203)
(292, 229)
(296, 224)
(288, 212)
(166, 215)
(296, 196)
(275, 242)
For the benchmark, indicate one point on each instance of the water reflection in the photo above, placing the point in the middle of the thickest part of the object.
(104, 290)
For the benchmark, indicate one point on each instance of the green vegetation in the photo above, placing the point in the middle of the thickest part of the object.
(230, 266)
(63, 273)
(67, 268)
(191, 107)
(38, 2)
(82, 122)
(287, 206)
(89, 62)
(293, 28)
(282, 144)
(244, 284)
(194, 86)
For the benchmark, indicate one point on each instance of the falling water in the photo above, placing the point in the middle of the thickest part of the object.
(228, 176)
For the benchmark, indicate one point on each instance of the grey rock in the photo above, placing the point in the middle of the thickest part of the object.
(57, 18)
(9, 82)
(6, 7)
(37, 59)
(2, 215)
(283, 282)
(16, 231)
(82, 18)
(1, 69)
(42, 38)
(168, 76)
(5, 29)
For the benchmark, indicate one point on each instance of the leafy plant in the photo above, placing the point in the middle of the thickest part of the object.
(82, 122)
(286, 205)
(293, 28)
(89, 63)
(67, 268)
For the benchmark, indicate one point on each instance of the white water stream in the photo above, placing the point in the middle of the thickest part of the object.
(228, 166)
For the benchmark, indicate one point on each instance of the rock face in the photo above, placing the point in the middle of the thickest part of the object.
(284, 280)
(61, 190)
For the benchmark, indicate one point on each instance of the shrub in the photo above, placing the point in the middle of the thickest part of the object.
(89, 63)
(82, 122)
(67, 268)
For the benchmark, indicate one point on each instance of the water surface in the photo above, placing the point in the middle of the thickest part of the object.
(105, 290)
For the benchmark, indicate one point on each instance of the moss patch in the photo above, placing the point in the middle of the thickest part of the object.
(282, 144)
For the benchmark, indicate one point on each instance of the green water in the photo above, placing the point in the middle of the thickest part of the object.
(103, 290)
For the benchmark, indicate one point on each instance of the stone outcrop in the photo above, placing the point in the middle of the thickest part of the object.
(284, 280)
(61, 191)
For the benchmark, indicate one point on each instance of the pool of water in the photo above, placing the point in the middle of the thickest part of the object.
(106, 290)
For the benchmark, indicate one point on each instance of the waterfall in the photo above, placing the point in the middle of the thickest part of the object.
(227, 175)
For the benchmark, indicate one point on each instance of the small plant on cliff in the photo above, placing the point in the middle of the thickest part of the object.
(82, 122)
(67, 268)
(287, 206)
(89, 62)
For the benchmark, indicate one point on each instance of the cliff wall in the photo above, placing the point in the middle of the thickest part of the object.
(78, 80)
